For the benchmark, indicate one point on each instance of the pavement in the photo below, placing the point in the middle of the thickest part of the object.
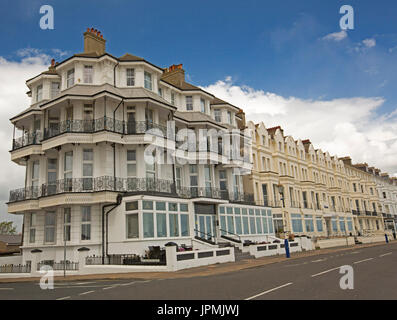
(310, 275)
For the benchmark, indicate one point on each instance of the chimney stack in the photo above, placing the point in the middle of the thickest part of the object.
(94, 42)
(174, 74)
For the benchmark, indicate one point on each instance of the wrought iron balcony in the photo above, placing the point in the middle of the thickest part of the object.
(124, 185)
(103, 124)
(27, 139)
(105, 183)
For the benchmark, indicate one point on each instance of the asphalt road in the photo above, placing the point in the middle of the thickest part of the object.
(315, 277)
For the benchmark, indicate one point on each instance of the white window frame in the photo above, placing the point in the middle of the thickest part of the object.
(88, 74)
(67, 223)
(32, 228)
(70, 78)
(39, 93)
(49, 227)
(148, 81)
(189, 103)
(88, 162)
(131, 162)
(55, 91)
(86, 222)
(130, 77)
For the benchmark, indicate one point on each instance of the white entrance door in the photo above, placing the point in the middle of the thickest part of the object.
(205, 226)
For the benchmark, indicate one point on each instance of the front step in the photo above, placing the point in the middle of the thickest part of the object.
(239, 255)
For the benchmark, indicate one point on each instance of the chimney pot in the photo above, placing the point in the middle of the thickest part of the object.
(94, 42)
(52, 62)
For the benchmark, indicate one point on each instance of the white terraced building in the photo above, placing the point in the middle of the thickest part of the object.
(87, 184)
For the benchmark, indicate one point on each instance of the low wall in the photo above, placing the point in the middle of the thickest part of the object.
(266, 250)
(190, 259)
(372, 239)
(103, 269)
(339, 242)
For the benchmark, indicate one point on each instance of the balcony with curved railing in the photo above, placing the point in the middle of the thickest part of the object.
(104, 124)
(124, 185)
(27, 139)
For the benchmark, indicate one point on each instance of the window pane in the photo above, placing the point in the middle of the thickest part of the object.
(245, 225)
(87, 170)
(131, 170)
(85, 232)
(131, 205)
(88, 155)
(252, 226)
(184, 225)
(172, 206)
(238, 225)
(147, 205)
(184, 207)
(160, 206)
(161, 225)
(258, 225)
(174, 228)
(132, 226)
(86, 214)
(131, 155)
(148, 227)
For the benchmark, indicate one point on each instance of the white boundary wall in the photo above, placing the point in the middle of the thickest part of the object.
(330, 243)
(190, 259)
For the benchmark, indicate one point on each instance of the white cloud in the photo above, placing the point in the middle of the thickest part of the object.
(346, 126)
(369, 43)
(13, 100)
(336, 36)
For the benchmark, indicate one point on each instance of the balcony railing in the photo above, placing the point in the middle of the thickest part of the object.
(103, 124)
(28, 139)
(125, 185)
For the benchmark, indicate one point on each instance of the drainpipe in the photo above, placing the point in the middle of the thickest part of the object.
(171, 117)
(114, 166)
(113, 205)
(114, 74)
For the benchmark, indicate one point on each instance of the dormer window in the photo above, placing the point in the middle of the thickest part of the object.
(189, 103)
(160, 92)
(130, 77)
(88, 74)
(148, 80)
(70, 78)
(39, 93)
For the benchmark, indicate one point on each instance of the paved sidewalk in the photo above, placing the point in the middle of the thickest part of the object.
(201, 271)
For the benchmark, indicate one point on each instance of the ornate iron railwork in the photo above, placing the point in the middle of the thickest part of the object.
(125, 185)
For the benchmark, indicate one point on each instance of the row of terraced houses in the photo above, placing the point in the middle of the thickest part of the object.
(84, 142)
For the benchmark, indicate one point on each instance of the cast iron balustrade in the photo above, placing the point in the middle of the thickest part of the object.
(15, 268)
(28, 139)
(57, 266)
(104, 124)
(374, 214)
(368, 213)
(242, 197)
(126, 185)
(104, 183)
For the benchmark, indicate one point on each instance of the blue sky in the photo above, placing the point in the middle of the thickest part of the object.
(285, 62)
(271, 45)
